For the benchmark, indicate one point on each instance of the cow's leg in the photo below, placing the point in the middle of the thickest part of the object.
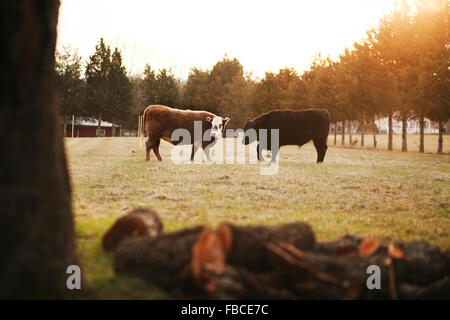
(206, 151)
(321, 148)
(259, 152)
(156, 149)
(194, 150)
(207, 145)
(148, 148)
(274, 154)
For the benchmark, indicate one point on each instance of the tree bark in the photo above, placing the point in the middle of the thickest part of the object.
(404, 132)
(374, 129)
(390, 132)
(441, 138)
(36, 226)
(422, 132)
(335, 132)
(343, 132)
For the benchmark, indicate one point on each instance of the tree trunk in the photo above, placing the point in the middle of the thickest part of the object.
(99, 125)
(362, 133)
(36, 226)
(374, 129)
(441, 138)
(404, 141)
(64, 126)
(343, 133)
(335, 132)
(422, 132)
(350, 139)
(390, 133)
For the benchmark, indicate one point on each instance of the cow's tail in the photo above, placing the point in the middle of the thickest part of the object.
(141, 144)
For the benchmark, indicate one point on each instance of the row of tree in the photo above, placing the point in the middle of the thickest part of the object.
(104, 92)
(399, 70)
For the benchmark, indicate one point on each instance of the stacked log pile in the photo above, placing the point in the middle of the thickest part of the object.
(278, 262)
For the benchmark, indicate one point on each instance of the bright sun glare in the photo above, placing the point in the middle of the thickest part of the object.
(177, 34)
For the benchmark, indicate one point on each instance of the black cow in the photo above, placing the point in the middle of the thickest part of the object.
(295, 128)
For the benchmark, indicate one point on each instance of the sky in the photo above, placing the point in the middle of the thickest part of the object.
(262, 35)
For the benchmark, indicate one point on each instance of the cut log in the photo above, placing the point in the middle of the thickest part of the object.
(437, 290)
(347, 245)
(164, 260)
(423, 263)
(138, 223)
(269, 262)
(248, 243)
(168, 259)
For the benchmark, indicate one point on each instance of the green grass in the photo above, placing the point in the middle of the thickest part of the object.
(388, 195)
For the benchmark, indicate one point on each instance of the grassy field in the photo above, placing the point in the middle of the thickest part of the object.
(388, 195)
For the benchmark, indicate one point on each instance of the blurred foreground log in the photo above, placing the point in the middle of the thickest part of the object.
(162, 260)
(248, 247)
(138, 223)
(272, 262)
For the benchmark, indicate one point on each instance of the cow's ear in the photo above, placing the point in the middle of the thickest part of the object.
(208, 119)
(225, 121)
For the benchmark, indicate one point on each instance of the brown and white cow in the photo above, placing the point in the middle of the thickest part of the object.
(161, 121)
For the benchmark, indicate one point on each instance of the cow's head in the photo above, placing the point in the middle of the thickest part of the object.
(218, 125)
(249, 136)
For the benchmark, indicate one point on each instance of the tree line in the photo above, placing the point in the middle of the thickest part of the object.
(104, 92)
(399, 70)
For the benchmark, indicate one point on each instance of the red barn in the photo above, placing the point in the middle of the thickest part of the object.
(88, 128)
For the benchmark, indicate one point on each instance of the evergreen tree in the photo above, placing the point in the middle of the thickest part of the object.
(161, 88)
(168, 89)
(220, 78)
(69, 85)
(195, 93)
(120, 90)
(97, 75)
